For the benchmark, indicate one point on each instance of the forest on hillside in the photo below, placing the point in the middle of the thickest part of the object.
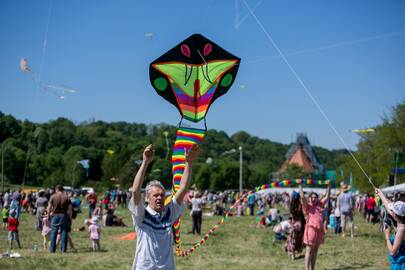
(44, 154)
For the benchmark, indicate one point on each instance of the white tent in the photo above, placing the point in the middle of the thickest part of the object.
(393, 189)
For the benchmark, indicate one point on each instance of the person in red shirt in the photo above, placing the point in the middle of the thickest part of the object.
(370, 204)
(13, 229)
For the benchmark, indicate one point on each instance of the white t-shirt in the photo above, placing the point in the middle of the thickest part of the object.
(154, 235)
(196, 204)
(285, 226)
(274, 214)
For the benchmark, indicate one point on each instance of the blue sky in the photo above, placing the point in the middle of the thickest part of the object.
(350, 55)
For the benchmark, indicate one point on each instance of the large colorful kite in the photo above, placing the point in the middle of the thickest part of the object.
(191, 76)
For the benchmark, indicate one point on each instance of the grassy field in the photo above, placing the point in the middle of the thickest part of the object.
(236, 245)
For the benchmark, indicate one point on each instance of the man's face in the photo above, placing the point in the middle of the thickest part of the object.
(156, 198)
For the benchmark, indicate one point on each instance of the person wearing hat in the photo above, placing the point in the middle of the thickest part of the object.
(345, 204)
(395, 244)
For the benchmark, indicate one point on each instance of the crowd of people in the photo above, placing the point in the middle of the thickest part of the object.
(303, 228)
(55, 209)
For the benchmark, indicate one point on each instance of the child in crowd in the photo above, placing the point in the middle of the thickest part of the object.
(332, 222)
(94, 234)
(5, 213)
(13, 229)
(261, 222)
(240, 208)
(98, 212)
(46, 229)
(338, 228)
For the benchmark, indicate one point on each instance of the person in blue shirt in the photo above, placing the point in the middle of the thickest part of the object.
(395, 244)
(251, 202)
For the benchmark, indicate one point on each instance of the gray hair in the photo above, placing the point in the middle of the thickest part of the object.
(153, 183)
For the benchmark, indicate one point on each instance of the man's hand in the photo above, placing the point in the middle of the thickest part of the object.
(148, 154)
(192, 154)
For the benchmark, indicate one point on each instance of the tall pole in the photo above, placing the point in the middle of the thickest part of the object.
(2, 168)
(73, 174)
(240, 170)
(396, 167)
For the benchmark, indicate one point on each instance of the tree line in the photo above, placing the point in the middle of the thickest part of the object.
(44, 154)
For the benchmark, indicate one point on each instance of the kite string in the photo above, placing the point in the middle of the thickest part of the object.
(238, 22)
(37, 79)
(330, 46)
(308, 92)
(45, 42)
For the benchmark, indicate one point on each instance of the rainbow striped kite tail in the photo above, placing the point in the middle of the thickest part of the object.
(185, 139)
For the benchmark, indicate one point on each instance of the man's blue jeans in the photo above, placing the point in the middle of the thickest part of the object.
(59, 221)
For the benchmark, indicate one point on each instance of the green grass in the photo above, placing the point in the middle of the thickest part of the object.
(236, 245)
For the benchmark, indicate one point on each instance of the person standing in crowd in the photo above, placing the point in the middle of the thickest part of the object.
(60, 210)
(251, 202)
(295, 239)
(12, 227)
(338, 228)
(124, 198)
(5, 214)
(94, 234)
(395, 244)
(92, 202)
(40, 204)
(46, 229)
(153, 224)
(16, 201)
(370, 205)
(196, 213)
(345, 205)
(6, 198)
(314, 230)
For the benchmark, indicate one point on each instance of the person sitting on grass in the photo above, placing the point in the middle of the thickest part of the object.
(13, 229)
(395, 244)
(153, 224)
(282, 229)
(261, 222)
(112, 220)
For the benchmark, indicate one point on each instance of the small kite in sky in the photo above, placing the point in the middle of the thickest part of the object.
(368, 130)
(149, 35)
(57, 90)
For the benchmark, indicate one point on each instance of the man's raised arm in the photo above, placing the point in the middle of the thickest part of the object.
(140, 175)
